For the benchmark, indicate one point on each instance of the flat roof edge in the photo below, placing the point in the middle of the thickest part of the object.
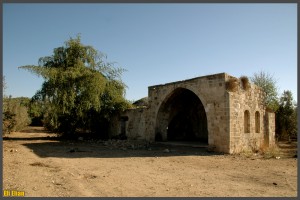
(191, 79)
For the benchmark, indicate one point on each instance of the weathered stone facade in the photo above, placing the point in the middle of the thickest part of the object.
(202, 109)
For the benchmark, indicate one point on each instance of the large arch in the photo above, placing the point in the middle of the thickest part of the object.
(181, 117)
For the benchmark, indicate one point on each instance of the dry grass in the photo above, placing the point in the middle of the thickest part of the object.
(245, 82)
(232, 85)
(269, 152)
(246, 153)
(263, 151)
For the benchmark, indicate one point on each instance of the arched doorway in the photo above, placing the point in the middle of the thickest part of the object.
(182, 117)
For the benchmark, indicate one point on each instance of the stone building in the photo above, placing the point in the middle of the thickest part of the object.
(221, 111)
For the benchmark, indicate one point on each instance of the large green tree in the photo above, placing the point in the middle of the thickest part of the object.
(268, 83)
(81, 90)
(286, 116)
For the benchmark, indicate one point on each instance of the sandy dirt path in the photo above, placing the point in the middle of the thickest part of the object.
(35, 162)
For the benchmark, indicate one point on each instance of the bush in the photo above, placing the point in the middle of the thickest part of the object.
(15, 115)
(232, 85)
(22, 118)
(9, 122)
(245, 82)
(269, 152)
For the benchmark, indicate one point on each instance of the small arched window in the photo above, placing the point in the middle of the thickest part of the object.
(246, 121)
(257, 122)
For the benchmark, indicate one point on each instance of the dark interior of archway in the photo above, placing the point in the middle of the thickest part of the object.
(187, 118)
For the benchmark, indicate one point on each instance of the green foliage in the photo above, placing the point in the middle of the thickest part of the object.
(80, 92)
(15, 114)
(268, 84)
(286, 116)
(8, 122)
(36, 111)
(284, 108)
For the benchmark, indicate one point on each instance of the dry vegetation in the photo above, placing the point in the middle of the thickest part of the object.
(245, 83)
(232, 85)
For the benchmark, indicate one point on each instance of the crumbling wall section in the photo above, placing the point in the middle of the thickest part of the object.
(247, 113)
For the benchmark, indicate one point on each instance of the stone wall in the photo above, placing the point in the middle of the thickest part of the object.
(135, 126)
(211, 92)
(249, 122)
(270, 132)
(234, 120)
(130, 122)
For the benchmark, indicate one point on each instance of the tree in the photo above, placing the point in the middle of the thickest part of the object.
(286, 116)
(36, 111)
(268, 84)
(81, 90)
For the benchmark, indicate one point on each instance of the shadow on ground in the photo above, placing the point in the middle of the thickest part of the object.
(288, 149)
(31, 138)
(287, 145)
(82, 149)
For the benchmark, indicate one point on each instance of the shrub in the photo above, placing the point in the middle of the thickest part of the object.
(245, 83)
(15, 115)
(22, 118)
(9, 122)
(269, 152)
(232, 85)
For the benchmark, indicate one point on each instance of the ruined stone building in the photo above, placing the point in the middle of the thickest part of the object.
(218, 110)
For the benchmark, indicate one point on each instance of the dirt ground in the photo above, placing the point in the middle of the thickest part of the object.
(36, 163)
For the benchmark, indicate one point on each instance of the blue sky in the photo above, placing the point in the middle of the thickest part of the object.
(156, 43)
